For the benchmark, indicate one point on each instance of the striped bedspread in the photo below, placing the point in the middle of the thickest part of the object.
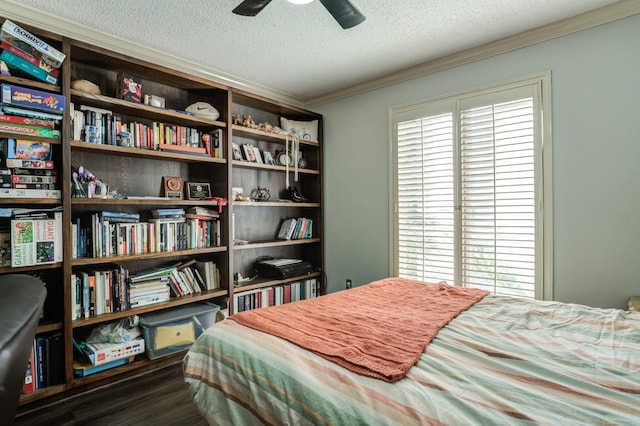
(503, 361)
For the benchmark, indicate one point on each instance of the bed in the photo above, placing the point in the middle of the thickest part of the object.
(500, 360)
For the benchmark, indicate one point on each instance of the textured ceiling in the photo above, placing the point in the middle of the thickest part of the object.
(300, 50)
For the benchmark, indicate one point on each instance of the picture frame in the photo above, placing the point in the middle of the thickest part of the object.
(249, 155)
(268, 158)
(237, 153)
(198, 190)
(256, 152)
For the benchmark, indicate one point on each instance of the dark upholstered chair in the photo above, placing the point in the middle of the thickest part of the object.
(21, 301)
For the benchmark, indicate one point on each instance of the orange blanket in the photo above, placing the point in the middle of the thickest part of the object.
(378, 330)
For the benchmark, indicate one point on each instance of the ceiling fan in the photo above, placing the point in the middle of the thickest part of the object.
(342, 10)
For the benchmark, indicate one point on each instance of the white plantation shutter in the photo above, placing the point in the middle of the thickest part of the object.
(468, 191)
(426, 198)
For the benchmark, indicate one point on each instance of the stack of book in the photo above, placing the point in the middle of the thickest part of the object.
(276, 295)
(170, 229)
(203, 227)
(296, 229)
(26, 55)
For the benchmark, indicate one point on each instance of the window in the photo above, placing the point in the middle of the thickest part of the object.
(472, 189)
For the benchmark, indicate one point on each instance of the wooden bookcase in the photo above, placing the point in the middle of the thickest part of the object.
(138, 173)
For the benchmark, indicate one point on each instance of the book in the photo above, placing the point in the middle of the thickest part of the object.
(15, 62)
(54, 359)
(36, 241)
(5, 245)
(29, 375)
(23, 39)
(286, 229)
(129, 88)
(29, 58)
(40, 362)
(34, 99)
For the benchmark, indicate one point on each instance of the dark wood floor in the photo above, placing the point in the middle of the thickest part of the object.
(158, 398)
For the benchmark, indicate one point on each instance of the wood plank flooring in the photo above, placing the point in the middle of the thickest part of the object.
(158, 398)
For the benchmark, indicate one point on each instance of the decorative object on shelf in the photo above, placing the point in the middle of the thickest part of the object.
(154, 101)
(172, 187)
(198, 191)
(87, 185)
(238, 194)
(305, 130)
(247, 121)
(204, 110)
(292, 193)
(249, 154)
(85, 86)
(129, 88)
(260, 194)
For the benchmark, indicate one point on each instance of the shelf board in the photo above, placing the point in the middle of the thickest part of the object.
(29, 83)
(140, 365)
(264, 244)
(146, 153)
(268, 282)
(48, 326)
(247, 132)
(111, 259)
(142, 201)
(21, 269)
(250, 165)
(175, 301)
(273, 204)
(144, 111)
(52, 141)
(42, 393)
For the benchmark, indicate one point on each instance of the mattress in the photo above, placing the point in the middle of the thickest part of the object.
(503, 361)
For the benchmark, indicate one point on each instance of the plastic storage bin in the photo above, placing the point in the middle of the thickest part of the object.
(175, 329)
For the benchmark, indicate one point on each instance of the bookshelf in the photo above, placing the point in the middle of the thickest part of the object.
(136, 175)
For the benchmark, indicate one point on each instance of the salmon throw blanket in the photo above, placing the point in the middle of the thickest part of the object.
(377, 330)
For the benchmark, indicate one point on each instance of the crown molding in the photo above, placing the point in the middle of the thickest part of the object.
(613, 12)
(85, 34)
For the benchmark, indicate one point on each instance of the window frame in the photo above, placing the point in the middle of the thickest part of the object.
(543, 163)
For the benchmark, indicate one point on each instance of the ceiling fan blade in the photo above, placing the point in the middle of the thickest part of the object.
(250, 7)
(344, 12)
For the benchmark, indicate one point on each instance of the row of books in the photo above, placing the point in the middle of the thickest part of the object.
(101, 126)
(106, 234)
(276, 295)
(296, 229)
(46, 363)
(26, 54)
(114, 289)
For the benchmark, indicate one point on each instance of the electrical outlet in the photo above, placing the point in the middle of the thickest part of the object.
(348, 284)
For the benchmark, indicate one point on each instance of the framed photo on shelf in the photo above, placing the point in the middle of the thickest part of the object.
(256, 152)
(268, 158)
(237, 153)
(248, 153)
(198, 190)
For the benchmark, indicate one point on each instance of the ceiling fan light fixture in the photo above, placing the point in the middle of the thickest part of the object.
(299, 1)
